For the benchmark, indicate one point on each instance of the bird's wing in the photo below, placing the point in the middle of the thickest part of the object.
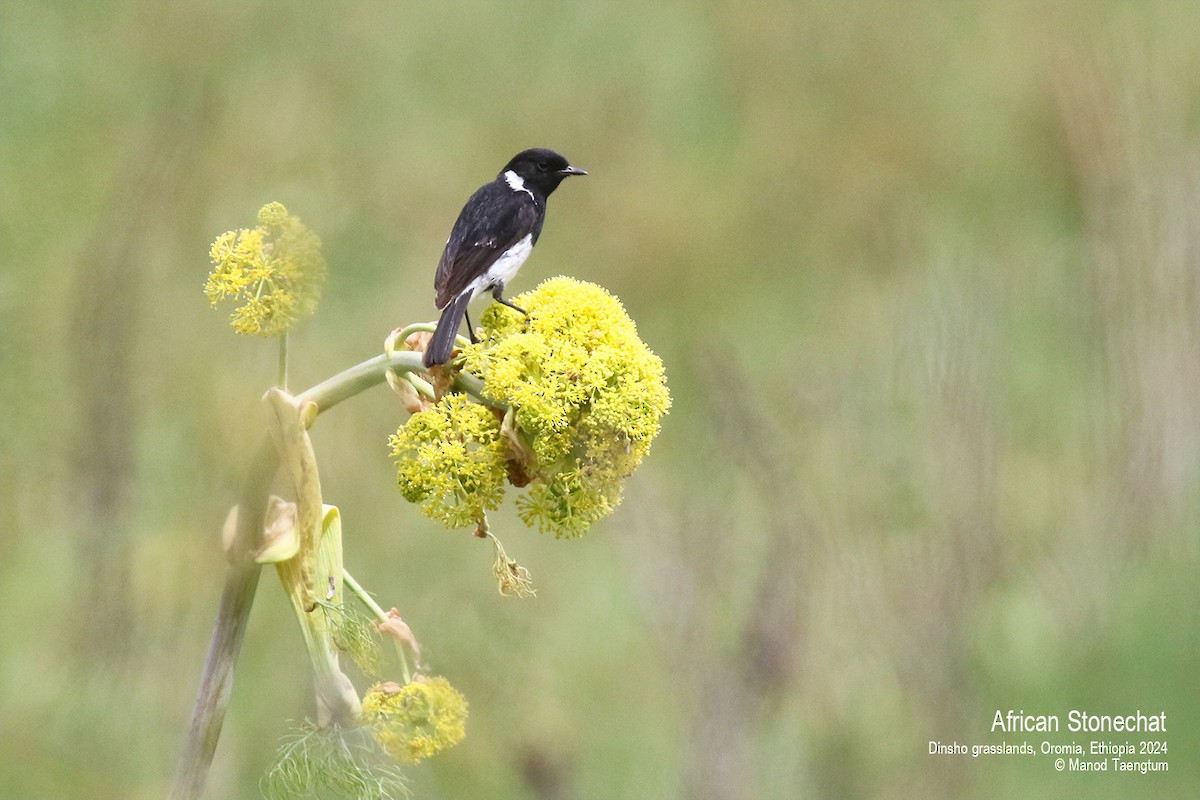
(493, 220)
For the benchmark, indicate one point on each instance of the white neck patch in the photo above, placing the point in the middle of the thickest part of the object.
(517, 184)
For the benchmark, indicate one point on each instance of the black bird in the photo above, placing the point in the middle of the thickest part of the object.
(494, 234)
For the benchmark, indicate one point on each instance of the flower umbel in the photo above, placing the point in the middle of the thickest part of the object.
(450, 459)
(587, 397)
(584, 399)
(416, 720)
(276, 270)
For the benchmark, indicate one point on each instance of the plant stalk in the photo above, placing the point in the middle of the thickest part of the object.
(241, 581)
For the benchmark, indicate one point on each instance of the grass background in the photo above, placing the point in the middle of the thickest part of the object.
(926, 281)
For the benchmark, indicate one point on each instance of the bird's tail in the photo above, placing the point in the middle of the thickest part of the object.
(441, 344)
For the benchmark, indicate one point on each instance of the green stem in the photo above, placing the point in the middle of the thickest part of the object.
(422, 386)
(364, 596)
(241, 581)
(416, 327)
(428, 327)
(358, 378)
(366, 374)
(381, 615)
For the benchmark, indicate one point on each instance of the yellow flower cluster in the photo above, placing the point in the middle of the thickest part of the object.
(451, 460)
(276, 270)
(586, 397)
(414, 721)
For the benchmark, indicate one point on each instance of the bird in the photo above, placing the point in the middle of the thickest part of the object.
(493, 235)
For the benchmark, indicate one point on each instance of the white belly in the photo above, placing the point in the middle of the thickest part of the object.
(504, 268)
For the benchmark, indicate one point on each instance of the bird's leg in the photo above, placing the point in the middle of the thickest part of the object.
(500, 299)
(470, 328)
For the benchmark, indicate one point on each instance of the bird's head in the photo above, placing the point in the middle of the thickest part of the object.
(541, 168)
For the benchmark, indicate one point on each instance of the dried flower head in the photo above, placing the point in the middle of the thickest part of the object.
(275, 270)
(512, 579)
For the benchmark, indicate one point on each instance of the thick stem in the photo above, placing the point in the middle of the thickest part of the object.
(216, 684)
(350, 382)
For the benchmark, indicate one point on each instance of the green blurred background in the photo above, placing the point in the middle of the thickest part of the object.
(926, 280)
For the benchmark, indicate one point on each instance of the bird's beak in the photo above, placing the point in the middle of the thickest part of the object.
(569, 170)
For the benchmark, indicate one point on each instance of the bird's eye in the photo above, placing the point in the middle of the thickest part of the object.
(542, 166)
